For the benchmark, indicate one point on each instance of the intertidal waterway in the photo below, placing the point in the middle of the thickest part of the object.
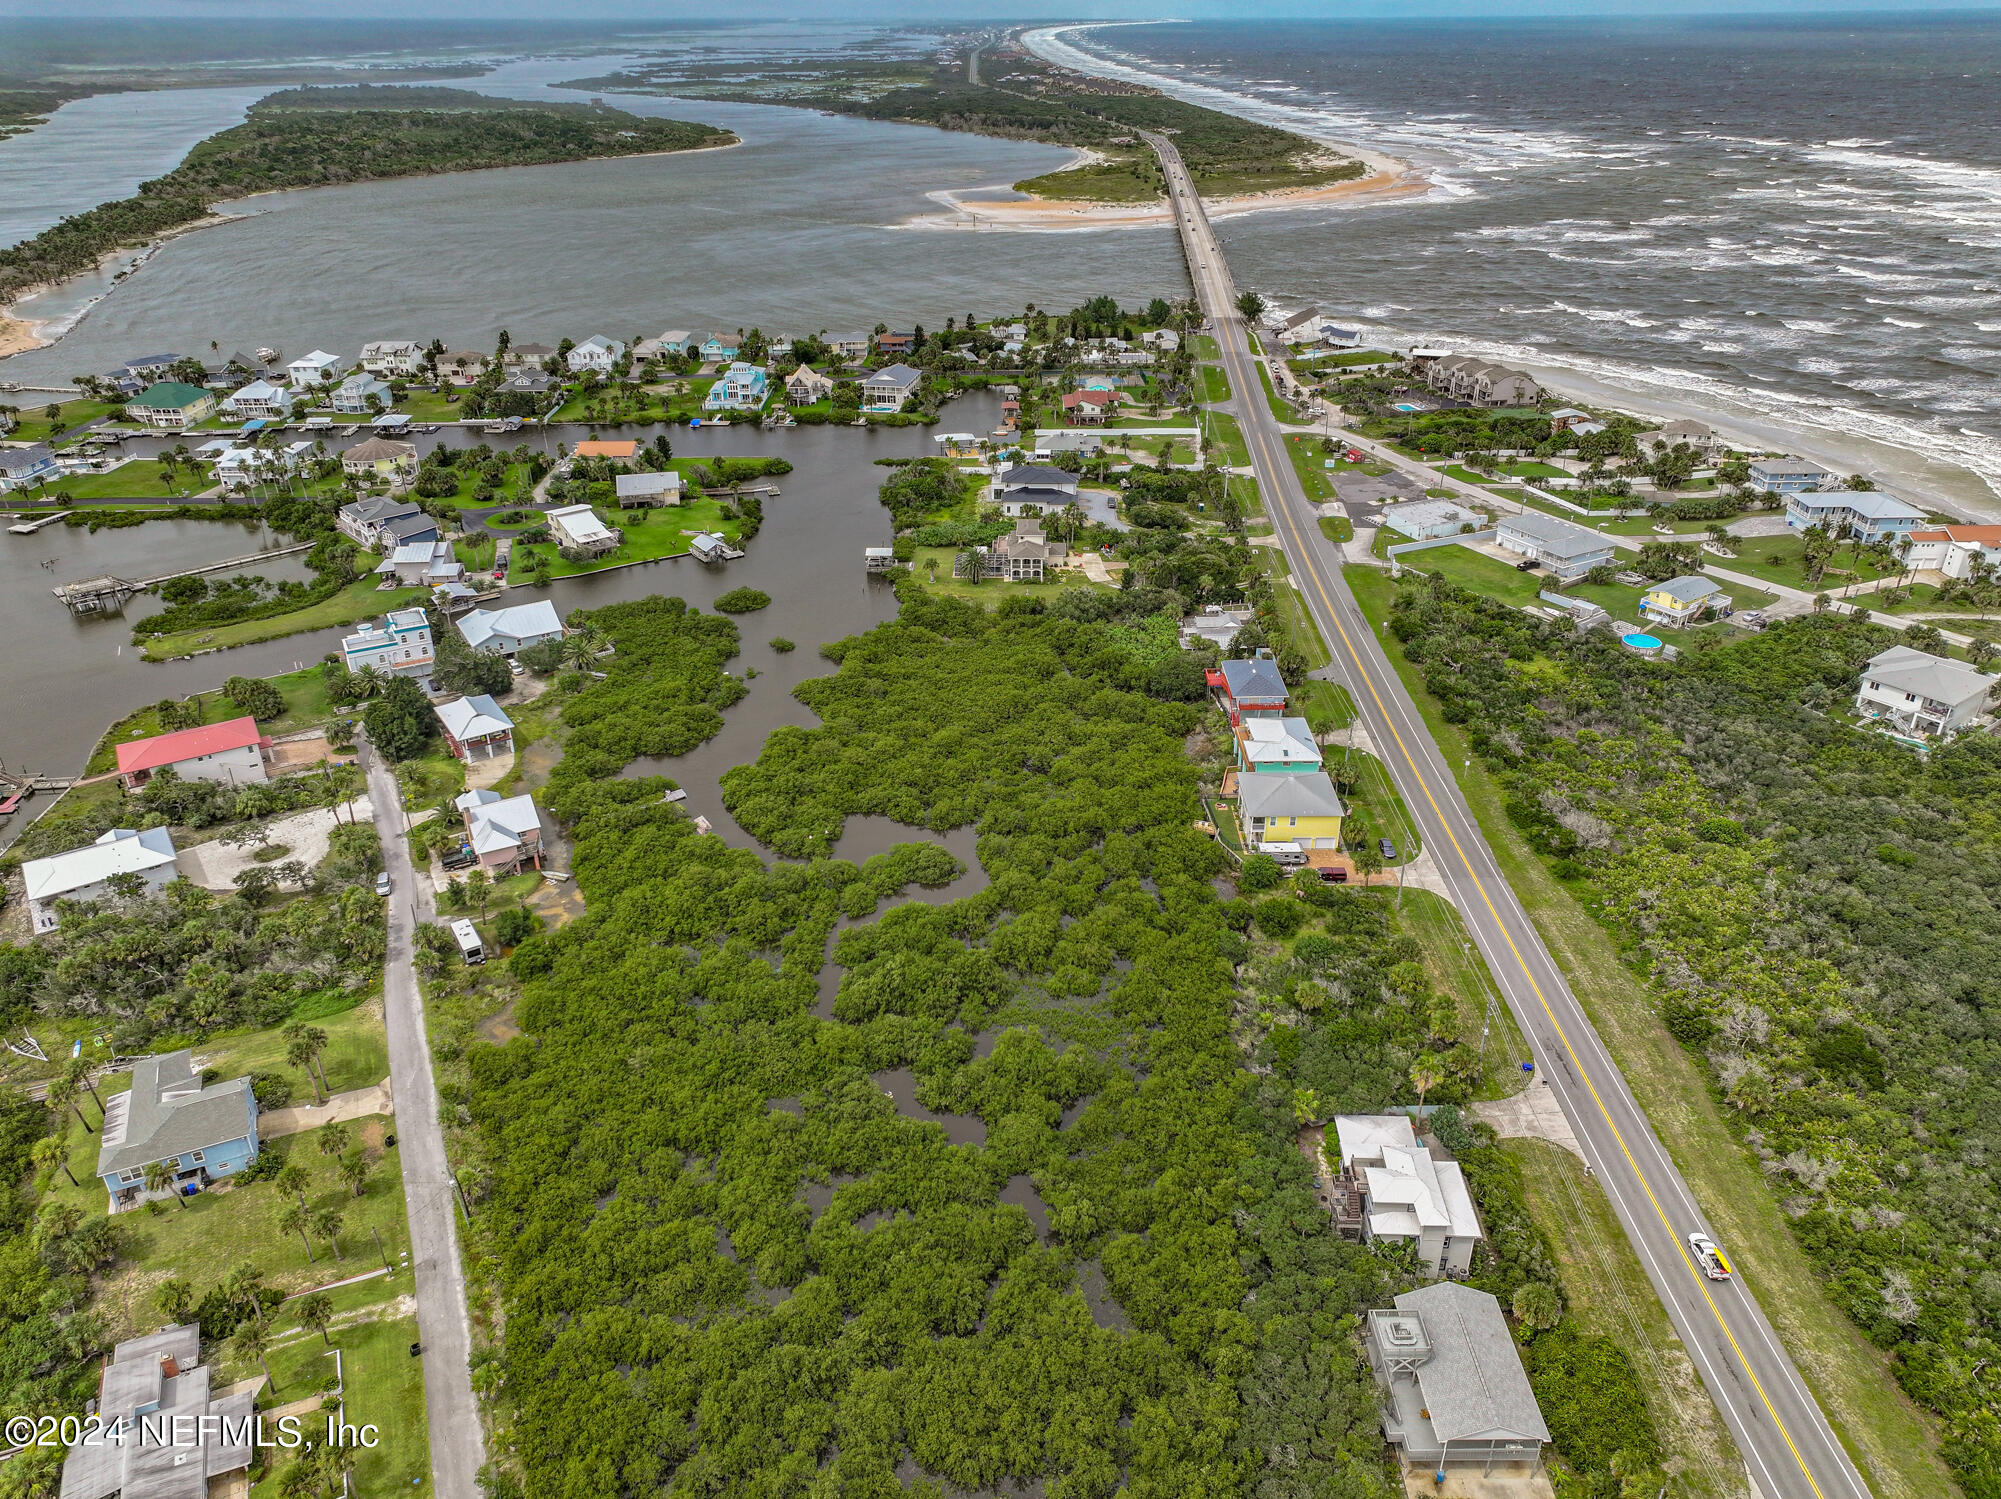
(66, 679)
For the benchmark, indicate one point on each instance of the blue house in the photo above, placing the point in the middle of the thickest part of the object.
(1872, 514)
(25, 468)
(743, 387)
(1786, 475)
(717, 350)
(201, 1133)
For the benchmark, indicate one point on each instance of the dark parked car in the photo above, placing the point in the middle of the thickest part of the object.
(1386, 848)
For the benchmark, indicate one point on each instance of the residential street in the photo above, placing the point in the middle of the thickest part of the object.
(458, 1449)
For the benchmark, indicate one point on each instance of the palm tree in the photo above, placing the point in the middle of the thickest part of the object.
(354, 1171)
(1425, 1074)
(327, 1224)
(52, 1151)
(333, 1139)
(159, 1177)
(78, 1071)
(296, 1219)
(316, 1312)
(300, 1054)
(62, 1095)
(307, 1042)
(252, 1343)
(242, 1287)
(293, 1178)
(1537, 1305)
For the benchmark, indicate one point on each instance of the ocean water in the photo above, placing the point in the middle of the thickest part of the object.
(1792, 225)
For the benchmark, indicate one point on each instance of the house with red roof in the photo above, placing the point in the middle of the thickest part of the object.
(1088, 408)
(1953, 550)
(232, 753)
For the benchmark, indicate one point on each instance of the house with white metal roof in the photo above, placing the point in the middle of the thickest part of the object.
(511, 629)
(1407, 1195)
(1426, 520)
(578, 532)
(475, 727)
(86, 873)
(1279, 745)
(1454, 1391)
(505, 832)
(643, 491)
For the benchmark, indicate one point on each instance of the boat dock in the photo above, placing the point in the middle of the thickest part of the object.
(30, 527)
(107, 594)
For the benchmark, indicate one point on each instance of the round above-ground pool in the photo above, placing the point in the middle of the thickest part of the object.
(1639, 642)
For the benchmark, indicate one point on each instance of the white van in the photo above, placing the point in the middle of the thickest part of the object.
(1291, 855)
(467, 937)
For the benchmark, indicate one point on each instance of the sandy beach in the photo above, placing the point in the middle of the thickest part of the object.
(1387, 179)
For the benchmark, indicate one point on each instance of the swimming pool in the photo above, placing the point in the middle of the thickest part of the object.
(1408, 406)
(1641, 642)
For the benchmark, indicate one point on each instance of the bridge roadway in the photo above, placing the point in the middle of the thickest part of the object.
(1787, 1444)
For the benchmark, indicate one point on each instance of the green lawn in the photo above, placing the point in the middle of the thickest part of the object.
(358, 601)
(1894, 1446)
(35, 425)
(1311, 466)
(1294, 616)
(431, 405)
(1324, 705)
(141, 479)
(1375, 807)
(1458, 969)
(1223, 433)
(1202, 346)
(306, 706)
(649, 535)
(1248, 496)
(513, 488)
(1477, 571)
(1608, 1294)
(430, 779)
(990, 592)
(1337, 528)
(1215, 384)
(1782, 559)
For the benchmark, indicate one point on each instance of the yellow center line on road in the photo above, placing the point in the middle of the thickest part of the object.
(1424, 785)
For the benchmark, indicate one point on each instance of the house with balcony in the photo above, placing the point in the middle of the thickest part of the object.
(1787, 475)
(503, 832)
(400, 645)
(1682, 601)
(740, 387)
(201, 1134)
(578, 533)
(358, 395)
(240, 467)
(381, 458)
(647, 491)
(177, 1438)
(1872, 514)
(27, 468)
(1250, 688)
(1289, 807)
(422, 564)
(368, 523)
(806, 385)
(1454, 1394)
(311, 370)
(1408, 1195)
(596, 353)
(260, 400)
(718, 348)
(1925, 696)
(171, 404)
(1568, 551)
(888, 388)
(1282, 746)
(392, 358)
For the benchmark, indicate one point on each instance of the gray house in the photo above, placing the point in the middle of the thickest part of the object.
(1922, 694)
(201, 1133)
(166, 1433)
(1454, 1393)
(1568, 551)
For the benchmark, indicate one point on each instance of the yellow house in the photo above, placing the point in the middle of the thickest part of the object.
(1290, 807)
(1681, 601)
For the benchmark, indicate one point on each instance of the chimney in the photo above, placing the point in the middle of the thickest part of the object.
(170, 1367)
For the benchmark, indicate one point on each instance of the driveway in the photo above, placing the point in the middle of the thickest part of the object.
(458, 1446)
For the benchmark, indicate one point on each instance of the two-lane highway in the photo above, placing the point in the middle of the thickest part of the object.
(1788, 1447)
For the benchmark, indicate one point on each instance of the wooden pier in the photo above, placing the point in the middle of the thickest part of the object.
(107, 594)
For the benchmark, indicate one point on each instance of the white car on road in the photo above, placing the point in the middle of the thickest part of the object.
(1708, 1256)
